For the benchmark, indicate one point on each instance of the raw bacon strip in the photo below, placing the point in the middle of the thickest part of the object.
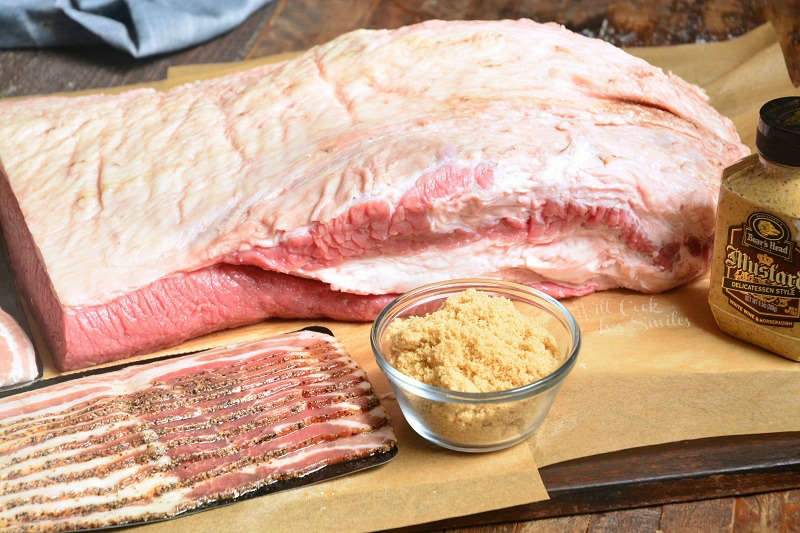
(155, 440)
(17, 358)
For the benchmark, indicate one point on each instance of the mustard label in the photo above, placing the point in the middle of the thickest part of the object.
(761, 274)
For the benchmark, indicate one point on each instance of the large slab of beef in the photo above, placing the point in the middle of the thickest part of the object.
(156, 440)
(321, 186)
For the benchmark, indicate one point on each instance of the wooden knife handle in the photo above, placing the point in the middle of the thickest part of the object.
(785, 17)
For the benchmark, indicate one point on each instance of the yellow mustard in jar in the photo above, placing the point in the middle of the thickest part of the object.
(755, 273)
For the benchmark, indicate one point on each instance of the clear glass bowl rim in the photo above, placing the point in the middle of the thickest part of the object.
(445, 395)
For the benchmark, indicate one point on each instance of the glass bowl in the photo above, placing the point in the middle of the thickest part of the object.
(475, 421)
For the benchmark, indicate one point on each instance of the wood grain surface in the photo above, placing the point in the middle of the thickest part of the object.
(785, 17)
(287, 25)
(772, 512)
(664, 479)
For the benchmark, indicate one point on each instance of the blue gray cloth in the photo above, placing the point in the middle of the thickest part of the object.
(139, 27)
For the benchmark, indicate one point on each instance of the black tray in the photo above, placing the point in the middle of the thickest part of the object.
(322, 474)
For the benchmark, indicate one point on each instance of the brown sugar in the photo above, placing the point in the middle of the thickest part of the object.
(474, 343)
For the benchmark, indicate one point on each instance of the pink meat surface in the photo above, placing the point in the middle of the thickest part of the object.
(17, 357)
(156, 440)
(380, 161)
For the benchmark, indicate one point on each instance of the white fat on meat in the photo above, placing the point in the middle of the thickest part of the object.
(564, 261)
(250, 159)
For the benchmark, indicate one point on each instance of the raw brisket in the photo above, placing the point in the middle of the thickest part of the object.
(323, 185)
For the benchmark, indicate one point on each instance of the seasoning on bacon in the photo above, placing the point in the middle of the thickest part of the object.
(17, 358)
(156, 440)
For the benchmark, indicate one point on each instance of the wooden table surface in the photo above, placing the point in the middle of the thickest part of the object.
(288, 25)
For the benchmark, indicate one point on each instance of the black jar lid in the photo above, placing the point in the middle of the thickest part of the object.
(778, 136)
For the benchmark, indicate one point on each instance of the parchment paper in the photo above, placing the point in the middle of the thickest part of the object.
(653, 369)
